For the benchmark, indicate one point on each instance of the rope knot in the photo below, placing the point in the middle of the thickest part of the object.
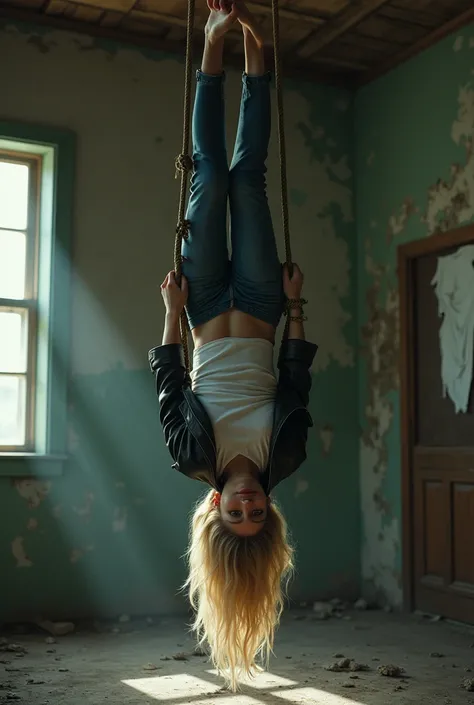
(182, 229)
(183, 164)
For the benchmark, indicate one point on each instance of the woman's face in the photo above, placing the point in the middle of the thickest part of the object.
(244, 505)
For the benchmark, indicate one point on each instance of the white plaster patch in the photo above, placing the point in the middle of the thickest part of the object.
(302, 486)
(326, 435)
(77, 553)
(458, 43)
(119, 523)
(34, 491)
(381, 533)
(32, 524)
(460, 188)
(463, 126)
(86, 509)
(340, 169)
(397, 222)
(19, 553)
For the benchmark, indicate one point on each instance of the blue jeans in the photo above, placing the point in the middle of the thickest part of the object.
(252, 281)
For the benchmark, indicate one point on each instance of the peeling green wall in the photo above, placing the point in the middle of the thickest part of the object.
(108, 536)
(415, 176)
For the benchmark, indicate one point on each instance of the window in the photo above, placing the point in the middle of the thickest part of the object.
(19, 193)
(36, 194)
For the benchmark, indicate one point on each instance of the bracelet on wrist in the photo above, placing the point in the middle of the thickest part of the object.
(291, 306)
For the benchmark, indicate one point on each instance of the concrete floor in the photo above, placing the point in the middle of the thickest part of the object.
(136, 667)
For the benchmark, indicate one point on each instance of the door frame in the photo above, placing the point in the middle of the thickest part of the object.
(407, 254)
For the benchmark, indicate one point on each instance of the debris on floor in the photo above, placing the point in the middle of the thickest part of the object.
(361, 605)
(468, 684)
(347, 664)
(391, 671)
(150, 667)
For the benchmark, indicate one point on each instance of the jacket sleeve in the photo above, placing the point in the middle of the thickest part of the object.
(294, 362)
(166, 362)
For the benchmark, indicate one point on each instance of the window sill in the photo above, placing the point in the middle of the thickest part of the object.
(31, 464)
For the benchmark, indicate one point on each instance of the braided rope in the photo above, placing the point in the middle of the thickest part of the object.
(184, 165)
(281, 135)
(282, 146)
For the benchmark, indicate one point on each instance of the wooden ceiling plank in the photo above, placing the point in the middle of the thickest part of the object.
(288, 15)
(119, 5)
(86, 13)
(425, 18)
(342, 23)
(55, 7)
(111, 18)
(424, 43)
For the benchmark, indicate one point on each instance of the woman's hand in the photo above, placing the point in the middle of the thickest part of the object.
(174, 296)
(293, 286)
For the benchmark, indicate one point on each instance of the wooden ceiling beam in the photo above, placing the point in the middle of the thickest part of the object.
(424, 43)
(289, 15)
(342, 23)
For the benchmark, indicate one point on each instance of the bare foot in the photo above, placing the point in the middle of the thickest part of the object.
(248, 21)
(223, 16)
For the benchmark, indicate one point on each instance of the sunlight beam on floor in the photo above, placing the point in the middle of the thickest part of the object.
(301, 696)
(264, 681)
(183, 685)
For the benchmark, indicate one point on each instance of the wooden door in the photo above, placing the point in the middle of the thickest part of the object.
(437, 447)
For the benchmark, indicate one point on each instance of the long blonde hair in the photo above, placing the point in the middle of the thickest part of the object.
(237, 587)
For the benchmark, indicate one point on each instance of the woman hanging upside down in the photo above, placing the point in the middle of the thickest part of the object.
(234, 426)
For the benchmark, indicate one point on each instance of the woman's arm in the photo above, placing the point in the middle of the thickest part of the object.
(171, 332)
(174, 298)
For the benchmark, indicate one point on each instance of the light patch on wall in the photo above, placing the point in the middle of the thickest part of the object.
(339, 169)
(327, 281)
(471, 43)
(371, 158)
(302, 486)
(381, 343)
(77, 553)
(86, 509)
(398, 221)
(451, 203)
(120, 519)
(458, 43)
(33, 491)
(32, 524)
(326, 435)
(19, 553)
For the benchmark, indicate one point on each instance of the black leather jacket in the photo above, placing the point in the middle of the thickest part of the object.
(188, 431)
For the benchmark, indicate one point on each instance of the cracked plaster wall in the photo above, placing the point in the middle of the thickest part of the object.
(113, 529)
(415, 176)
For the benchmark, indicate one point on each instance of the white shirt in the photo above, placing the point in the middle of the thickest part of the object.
(234, 379)
(454, 282)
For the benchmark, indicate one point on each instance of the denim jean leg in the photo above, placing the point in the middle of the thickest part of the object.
(206, 260)
(256, 269)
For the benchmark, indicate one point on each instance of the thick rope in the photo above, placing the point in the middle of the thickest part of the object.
(184, 165)
(282, 147)
(281, 135)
